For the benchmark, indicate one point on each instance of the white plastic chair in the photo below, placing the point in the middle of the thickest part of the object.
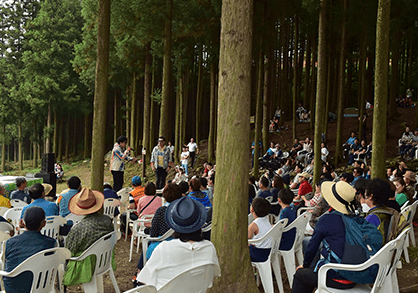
(194, 280)
(109, 206)
(44, 265)
(17, 203)
(207, 228)
(250, 219)
(128, 221)
(304, 209)
(401, 240)
(289, 255)
(3, 210)
(264, 268)
(409, 212)
(138, 230)
(13, 216)
(382, 284)
(6, 227)
(73, 217)
(123, 194)
(143, 289)
(102, 249)
(52, 227)
(148, 239)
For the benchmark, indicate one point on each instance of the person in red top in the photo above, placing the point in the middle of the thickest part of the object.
(134, 197)
(304, 188)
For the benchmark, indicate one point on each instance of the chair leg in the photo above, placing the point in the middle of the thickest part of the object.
(132, 247)
(299, 256)
(264, 270)
(289, 263)
(99, 284)
(405, 250)
(275, 263)
(91, 286)
(411, 234)
(113, 279)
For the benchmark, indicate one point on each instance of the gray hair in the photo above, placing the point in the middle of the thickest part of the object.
(2, 187)
(19, 181)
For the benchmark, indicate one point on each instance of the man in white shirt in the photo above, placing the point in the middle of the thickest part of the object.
(193, 150)
(185, 160)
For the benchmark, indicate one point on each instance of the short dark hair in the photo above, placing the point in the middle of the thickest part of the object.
(19, 181)
(33, 218)
(252, 179)
(36, 190)
(286, 196)
(381, 191)
(264, 181)
(150, 189)
(348, 176)
(251, 191)
(121, 139)
(210, 164)
(278, 182)
(161, 138)
(107, 185)
(361, 185)
(358, 170)
(212, 177)
(203, 182)
(184, 186)
(171, 192)
(195, 184)
(74, 182)
(261, 206)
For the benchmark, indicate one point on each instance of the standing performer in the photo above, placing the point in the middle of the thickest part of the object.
(120, 154)
(193, 150)
(161, 162)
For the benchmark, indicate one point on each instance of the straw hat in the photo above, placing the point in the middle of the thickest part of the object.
(340, 196)
(185, 215)
(305, 175)
(47, 188)
(86, 202)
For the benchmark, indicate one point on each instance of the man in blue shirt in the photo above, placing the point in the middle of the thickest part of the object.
(74, 184)
(108, 192)
(20, 193)
(23, 246)
(37, 193)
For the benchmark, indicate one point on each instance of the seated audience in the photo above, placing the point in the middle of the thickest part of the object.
(285, 198)
(296, 181)
(196, 194)
(59, 171)
(204, 187)
(180, 176)
(4, 202)
(186, 217)
(22, 246)
(91, 228)
(402, 194)
(316, 198)
(405, 141)
(134, 197)
(305, 188)
(324, 152)
(148, 204)
(74, 184)
(295, 148)
(357, 174)
(260, 208)
(263, 185)
(20, 193)
(348, 144)
(410, 180)
(108, 192)
(330, 228)
(37, 193)
(347, 177)
(277, 185)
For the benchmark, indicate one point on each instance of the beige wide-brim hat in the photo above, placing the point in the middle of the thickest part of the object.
(47, 187)
(86, 202)
(339, 196)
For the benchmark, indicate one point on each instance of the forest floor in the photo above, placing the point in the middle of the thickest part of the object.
(407, 276)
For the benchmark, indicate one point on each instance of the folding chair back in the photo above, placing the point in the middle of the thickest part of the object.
(13, 216)
(143, 289)
(194, 280)
(109, 206)
(52, 227)
(6, 227)
(44, 266)
(3, 210)
(17, 203)
(74, 218)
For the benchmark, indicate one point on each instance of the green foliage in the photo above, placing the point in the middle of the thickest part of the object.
(156, 96)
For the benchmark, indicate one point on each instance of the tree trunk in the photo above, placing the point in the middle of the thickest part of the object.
(20, 147)
(362, 80)
(116, 121)
(61, 128)
(74, 140)
(87, 142)
(100, 97)
(179, 98)
(381, 89)
(266, 99)
(3, 151)
(152, 106)
(127, 115)
(394, 88)
(340, 96)
(165, 103)
(35, 161)
(231, 202)
(133, 132)
(48, 131)
(67, 139)
(258, 111)
(147, 106)
(295, 77)
(212, 115)
(321, 88)
(307, 75)
(328, 96)
(313, 85)
(199, 94)
(55, 132)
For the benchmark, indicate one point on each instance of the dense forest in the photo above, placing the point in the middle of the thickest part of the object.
(163, 69)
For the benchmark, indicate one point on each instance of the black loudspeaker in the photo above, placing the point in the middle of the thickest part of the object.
(48, 163)
(49, 178)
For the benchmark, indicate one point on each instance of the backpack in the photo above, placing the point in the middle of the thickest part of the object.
(392, 223)
(363, 240)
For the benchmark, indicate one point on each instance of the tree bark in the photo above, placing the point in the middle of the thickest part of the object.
(321, 88)
(258, 111)
(61, 128)
(199, 93)
(20, 147)
(381, 89)
(87, 134)
(340, 96)
(212, 114)
(116, 121)
(266, 99)
(100, 97)
(307, 75)
(151, 115)
(295, 77)
(362, 80)
(147, 105)
(165, 103)
(48, 131)
(313, 84)
(394, 88)
(3, 151)
(55, 132)
(133, 132)
(231, 204)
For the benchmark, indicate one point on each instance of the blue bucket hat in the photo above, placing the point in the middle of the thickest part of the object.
(185, 215)
(136, 180)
